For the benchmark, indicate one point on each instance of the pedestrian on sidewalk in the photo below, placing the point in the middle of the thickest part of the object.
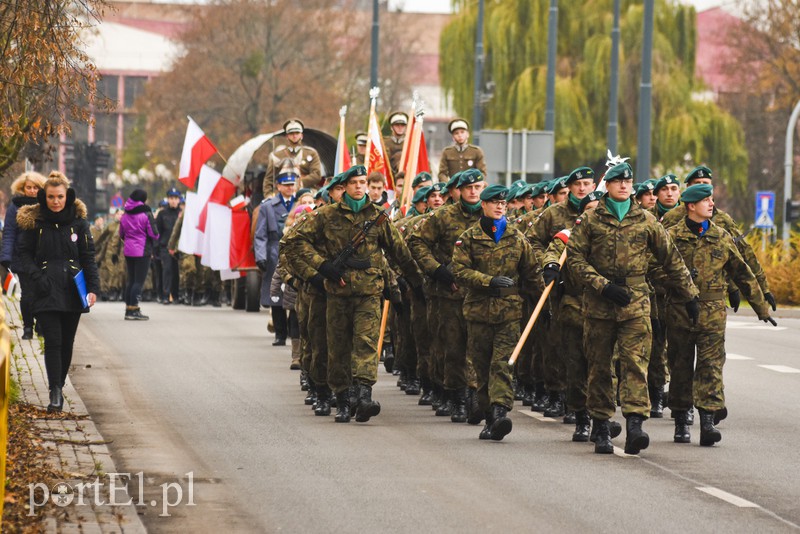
(55, 244)
(137, 228)
(25, 190)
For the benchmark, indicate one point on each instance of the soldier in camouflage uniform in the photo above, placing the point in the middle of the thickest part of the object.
(432, 246)
(710, 254)
(361, 148)
(495, 263)
(398, 122)
(304, 157)
(109, 253)
(460, 156)
(609, 251)
(187, 265)
(353, 308)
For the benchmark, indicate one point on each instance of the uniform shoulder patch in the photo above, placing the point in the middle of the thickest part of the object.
(459, 243)
(578, 221)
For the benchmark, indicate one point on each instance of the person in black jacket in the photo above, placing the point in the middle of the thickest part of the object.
(54, 245)
(165, 222)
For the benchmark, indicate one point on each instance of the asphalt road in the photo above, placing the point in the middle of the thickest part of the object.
(202, 391)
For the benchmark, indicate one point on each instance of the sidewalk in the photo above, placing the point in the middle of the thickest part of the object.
(74, 446)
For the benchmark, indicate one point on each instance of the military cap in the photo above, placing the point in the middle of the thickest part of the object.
(647, 185)
(173, 192)
(293, 126)
(323, 193)
(355, 170)
(664, 181)
(421, 177)
(495, 192)
(303, 191)
(701, 171)
(540, 188)
(286, 177)
(469, 176)
(524, 191)
(438, 187)
(591, 197)
(453, 181)
(398, 117)
(421, 195)
(361, 138)
(697, 192)
(557, 185)
(621, 171)
(455, 124)
(579, 174)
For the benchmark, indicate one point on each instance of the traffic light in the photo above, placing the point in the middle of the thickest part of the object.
(792, 210)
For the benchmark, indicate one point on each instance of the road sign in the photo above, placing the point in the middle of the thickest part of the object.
(518, 151)
(116, 201)
(765, 209)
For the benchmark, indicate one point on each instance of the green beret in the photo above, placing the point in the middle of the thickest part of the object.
(557, 185)
(524, 191)
(421, 177)
(701, 171)
(591, 197)
(336, 180)
(696, 193)
(579, 174)
(323, 193)
(495, 192)
(451, 183)
(515, 188)
(469, 176)
(647, 185)
(665, 180)
(540, 188)
(438, 187)
(621, 171)
(421, 195)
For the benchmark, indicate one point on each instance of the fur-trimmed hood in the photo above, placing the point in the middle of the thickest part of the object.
(28, 215)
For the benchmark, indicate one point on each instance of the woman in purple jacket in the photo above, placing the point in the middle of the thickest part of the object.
(137, 228)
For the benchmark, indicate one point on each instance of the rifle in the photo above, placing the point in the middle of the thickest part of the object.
(345, 259)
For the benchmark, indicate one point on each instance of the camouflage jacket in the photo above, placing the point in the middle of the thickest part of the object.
(324, 233)
(726, 222)
(305, 157)
(454, 160)
(394, 149)
(477, 259)
(432, 243)
(603, 250)
(551, 221)
(709, 258)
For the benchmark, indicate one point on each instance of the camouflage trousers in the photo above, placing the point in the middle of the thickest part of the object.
(187, 272)
(420, 336)
(632, 338)
(405, 352)
(657, 371)
(488, 347)
(353, 324)
(435, 347)
(523, 365)
(318, 336)
(452, 334)
(554, 370)
(301, 309)
(696, 356)
(570, 323)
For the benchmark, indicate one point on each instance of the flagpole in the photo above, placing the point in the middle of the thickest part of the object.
(342, 113)
(373, 97)
(413, 159)
(407, 138)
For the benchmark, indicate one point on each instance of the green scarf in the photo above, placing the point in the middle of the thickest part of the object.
(618, 208)
(472, 208)
(575, 202)
(663, 209)
(355, 205)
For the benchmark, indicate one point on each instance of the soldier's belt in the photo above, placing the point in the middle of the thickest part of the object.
(359, 265)
(497, 291)
(627, 280)
(712, 295)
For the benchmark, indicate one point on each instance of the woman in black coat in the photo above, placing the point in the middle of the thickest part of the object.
(55, 244)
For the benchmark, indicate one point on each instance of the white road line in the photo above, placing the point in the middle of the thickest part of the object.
(737, 357)
(728, 497)
(538, 416)
(754, 326)
(780, 368)
(621, 453)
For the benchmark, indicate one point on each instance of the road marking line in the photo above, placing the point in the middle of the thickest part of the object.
(749, 326)
(621, 453)
(538, 417)
(737, 357)
(728, 497)
(780, 368)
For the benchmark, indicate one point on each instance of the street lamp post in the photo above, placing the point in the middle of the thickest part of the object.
(477, 112)
(645, 96)
(550, 103)
(613, 98)
(787, 174)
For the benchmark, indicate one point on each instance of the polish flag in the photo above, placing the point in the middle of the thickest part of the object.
(10, 283)
(377, 159)
(423, 165)
(342, 162)
(197, 150)
(563, 235)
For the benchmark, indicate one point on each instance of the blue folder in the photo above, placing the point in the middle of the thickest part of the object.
(80, 285)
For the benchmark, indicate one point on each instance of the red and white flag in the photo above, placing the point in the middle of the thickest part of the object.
(423, 165)
(197, 150)
(377, 159)
(342, 162)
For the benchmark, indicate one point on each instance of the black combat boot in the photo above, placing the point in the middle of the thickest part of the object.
(690, 416)
(445, 409)
(501, 424)
(311, 398)
(366, 407)
(412, 385)
(709, 434)
(720, 415)
(602, 442)
(323, 406)
(527, 397)
(569, 418)
(614, 430)
(56, 400)
(215, 302)
(437, 397)
(474, 413)
(459, 413)
(539, 398)
(304, 379)
(582, 424)
(353, 391)
(556, 406)
(656, 401)
(682, 434)
(486, 432)
(427, 393)
(388, 357)
(636, 439)
(342, 407)
(402, 381)
(518, 390)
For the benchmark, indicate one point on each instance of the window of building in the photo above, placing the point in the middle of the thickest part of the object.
(108, 87)
(105, 129)
(134, 88)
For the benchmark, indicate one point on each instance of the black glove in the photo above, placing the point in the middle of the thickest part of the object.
(617, 295)
(290, 283)
(418, 292)
(402, 284)
(330, 272)
(398, 308)
(386, 293)
(443, 274)
(262, 265)
(658, 329)
(735, 298)
(550, 273)
(771, 300)
(5, 263)
(114, 259)
(770, 320)
(501, 281)
(546, 316)
(693, 309)
(318, 281)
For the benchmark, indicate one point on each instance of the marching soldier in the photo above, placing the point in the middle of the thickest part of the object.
(460, 156)
(668, 193)
(710, 254)
(398, 122)
(304, 157)
(353, 287)
(361, 148)
(645, 194)
(495, 263)
(609, 251)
